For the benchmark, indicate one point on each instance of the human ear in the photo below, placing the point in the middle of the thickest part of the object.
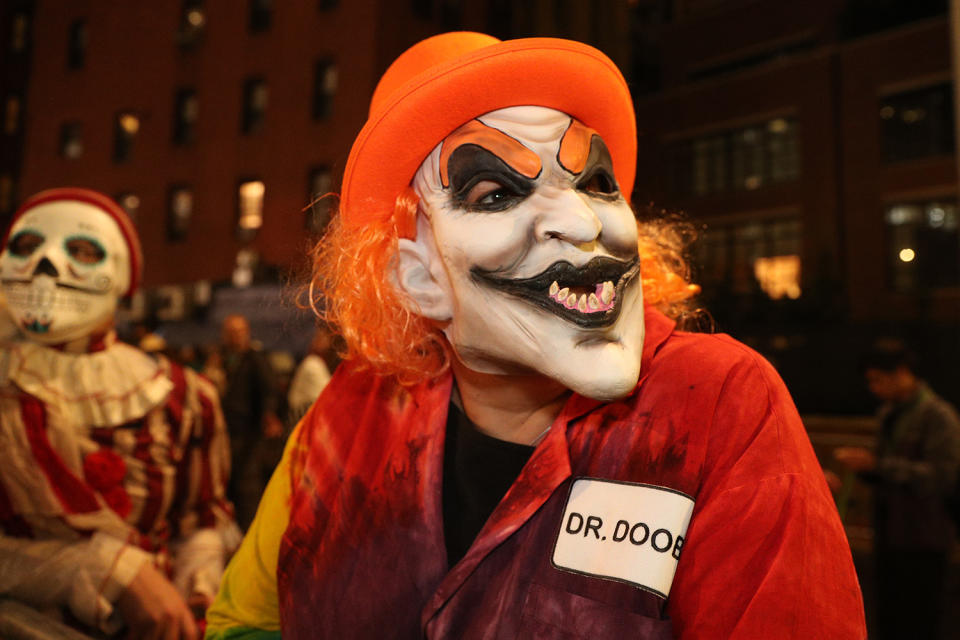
(420, 279)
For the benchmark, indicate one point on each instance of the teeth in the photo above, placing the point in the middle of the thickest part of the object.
(606, 294)
(584, 303)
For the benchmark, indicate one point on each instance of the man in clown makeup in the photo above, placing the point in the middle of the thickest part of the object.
(521, 444)
(113, 464)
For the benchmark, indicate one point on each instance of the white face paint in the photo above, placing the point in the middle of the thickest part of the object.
(63, 269)
(534, 263)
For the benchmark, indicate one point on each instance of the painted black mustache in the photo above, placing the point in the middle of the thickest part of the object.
(535, 288)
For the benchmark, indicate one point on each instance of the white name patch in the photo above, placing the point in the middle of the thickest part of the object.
(623, 531)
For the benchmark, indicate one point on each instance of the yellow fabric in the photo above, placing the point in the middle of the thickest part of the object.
(248, 591)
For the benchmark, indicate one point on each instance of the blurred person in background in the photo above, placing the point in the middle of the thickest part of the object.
(914, 472)
(250, 406)
(311, 375)
(113, 464)
(521, 442)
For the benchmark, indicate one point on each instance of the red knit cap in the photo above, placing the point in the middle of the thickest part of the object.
(444, 81)
(105, 204)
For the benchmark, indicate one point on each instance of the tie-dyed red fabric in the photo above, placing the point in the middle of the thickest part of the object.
(765, 554)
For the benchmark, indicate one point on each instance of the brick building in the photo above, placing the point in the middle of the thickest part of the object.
(814, 141)
(813, 144)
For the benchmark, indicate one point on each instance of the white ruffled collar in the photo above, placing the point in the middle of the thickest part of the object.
(113, 386)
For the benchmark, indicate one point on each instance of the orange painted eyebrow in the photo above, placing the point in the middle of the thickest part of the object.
(575, 146)
(510, 150)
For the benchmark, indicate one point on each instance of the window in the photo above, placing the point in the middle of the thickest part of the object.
(19, 31)
(77, 44)
(917, 124)
(254, 103)
(71, 140)
(322, 201)
(6, 194)
(327, 5)
(130, 203)
(324, 88)
(249, 208)
(125, 129)
(260, 14)
(179, 212)
(740, 159)
(11, 115)
(923, 245)
(783, 150)
(185, 112)
(759, 255)
(193, 20)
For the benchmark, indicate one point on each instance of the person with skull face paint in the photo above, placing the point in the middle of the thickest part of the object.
(114, 463)
(520, 443)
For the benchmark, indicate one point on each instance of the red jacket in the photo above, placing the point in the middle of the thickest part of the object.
(765, 555)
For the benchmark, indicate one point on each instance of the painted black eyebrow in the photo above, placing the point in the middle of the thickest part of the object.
(598, 159)
(470, 164)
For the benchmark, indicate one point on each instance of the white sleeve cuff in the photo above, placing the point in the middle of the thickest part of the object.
(112, 565)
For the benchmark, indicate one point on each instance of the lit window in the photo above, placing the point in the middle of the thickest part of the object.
(255, 97)
(71, 140)
(125, 129)
(185, 112)
(322, 201)
(243, 270)
(923, 245)
(19, 28)
(179, 212)
(260, 15)
(782, 150)
(324, 88)
(130, 203)
(917, 124)
(761, 255)
(250, 208)
(193, 20)
(77, 44)
(11, 115)
(747, 158)
(778, 276)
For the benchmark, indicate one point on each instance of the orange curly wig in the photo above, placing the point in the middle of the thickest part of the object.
(351, 282)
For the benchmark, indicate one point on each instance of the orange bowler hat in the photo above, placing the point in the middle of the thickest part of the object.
(444, 81)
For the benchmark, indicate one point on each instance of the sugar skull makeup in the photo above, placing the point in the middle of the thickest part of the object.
(533, 251)
(63, 269)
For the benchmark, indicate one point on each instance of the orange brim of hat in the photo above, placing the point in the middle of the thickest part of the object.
(419, 112)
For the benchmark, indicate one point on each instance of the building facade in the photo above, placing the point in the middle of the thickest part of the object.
(812, 144)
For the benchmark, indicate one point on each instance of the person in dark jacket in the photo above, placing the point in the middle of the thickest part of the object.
(914, 474)
(250, 407)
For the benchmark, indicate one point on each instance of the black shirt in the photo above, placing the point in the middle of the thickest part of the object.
(477, 472)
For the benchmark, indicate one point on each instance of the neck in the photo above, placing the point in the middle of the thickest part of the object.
(99, 339)
(515, 408)
(908, 391)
